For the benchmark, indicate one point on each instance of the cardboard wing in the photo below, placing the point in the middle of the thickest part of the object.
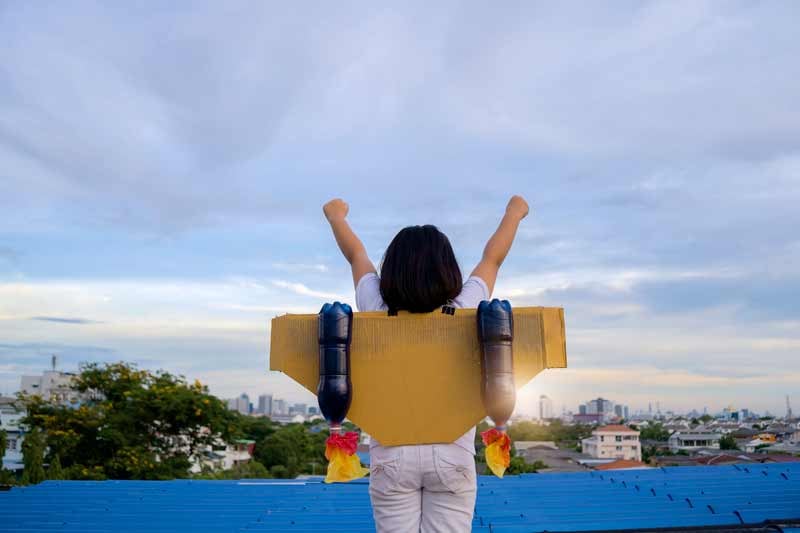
(416, 377)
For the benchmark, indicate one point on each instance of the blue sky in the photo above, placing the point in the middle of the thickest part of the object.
(163, 167)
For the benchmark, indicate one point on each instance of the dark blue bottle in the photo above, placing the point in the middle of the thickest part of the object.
(334, 390)
(496, 334)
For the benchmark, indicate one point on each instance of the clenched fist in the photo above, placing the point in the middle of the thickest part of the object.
(518, 207)
(336, 209)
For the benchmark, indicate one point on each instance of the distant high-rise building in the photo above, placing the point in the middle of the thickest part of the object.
(600, 406)
(582, 409)
(545, 407)
(650, 408)
(788, 408)
(618, 410)
(240, 404)
(298, 409)
(625, 412)
(265, 404)
(279, 407)
(313, 411)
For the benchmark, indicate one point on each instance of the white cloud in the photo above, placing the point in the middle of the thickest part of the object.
(299, 288)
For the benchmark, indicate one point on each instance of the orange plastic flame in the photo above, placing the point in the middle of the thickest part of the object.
(343, 463)
(498, 450)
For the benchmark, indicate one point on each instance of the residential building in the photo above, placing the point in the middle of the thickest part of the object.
(587, 418)
(52, 385)
(694, 439)
(225, 457)
(613, 442)
(10, 423)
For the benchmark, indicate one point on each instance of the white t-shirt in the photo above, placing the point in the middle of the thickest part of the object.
(473, 291)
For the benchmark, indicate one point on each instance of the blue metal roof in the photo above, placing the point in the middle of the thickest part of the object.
(677, 497)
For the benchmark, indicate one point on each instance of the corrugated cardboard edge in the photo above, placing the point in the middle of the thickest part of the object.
(552, 324)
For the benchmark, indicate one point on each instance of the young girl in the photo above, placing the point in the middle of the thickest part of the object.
(428, 487)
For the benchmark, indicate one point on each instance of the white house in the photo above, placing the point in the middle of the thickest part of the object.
(695, 439)
(52, 385)
(9, 422)
(224, 457)
(613, 442)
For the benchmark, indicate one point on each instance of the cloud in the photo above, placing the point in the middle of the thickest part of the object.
(63, 320)
(294, 267)
(299, 288)
(174, 188)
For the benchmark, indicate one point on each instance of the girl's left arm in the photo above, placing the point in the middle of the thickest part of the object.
(351, 246)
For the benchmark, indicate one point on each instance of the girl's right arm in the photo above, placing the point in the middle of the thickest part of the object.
(500, 243)
(351, 246)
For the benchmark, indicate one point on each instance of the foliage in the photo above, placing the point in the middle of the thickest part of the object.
(654, 431)
(295, 449)
(6, 477)
(3, 446)
(519, 466)
(137, 425)
(54, 471)
(249, 470)
(33, 457)
(279, 471)
(649, 452)
(564, 435)
(727, 442)
(705, 419)
(252, 427)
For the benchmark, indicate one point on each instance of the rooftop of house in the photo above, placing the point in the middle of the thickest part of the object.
(622, 464)
(615, 428)
(735, 497)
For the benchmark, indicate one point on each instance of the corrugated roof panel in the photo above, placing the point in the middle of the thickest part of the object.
(584, 501)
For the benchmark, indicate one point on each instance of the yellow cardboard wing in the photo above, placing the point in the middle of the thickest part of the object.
(416, 377)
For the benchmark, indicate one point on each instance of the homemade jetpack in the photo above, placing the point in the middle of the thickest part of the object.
(417, 378)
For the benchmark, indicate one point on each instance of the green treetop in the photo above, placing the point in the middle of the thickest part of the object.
(137, 425)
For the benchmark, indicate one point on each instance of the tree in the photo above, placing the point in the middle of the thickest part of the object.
(249, 470)
(654, 432)
(3, 445)
(6, 477)
(33, 457)
(137, 425)
(294, 448)
(55, 471)
(727, 442)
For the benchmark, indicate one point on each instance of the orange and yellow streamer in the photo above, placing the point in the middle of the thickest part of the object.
(343, 463)
(498, 450)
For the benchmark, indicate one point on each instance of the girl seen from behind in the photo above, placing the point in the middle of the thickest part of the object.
(431, 487)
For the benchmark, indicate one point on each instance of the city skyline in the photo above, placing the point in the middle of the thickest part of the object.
(529, 402)
(155, 211)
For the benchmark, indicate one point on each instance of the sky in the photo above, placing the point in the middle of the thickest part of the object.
(163, 168)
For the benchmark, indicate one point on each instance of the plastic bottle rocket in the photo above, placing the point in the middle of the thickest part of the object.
(334, 391)
(496, 335)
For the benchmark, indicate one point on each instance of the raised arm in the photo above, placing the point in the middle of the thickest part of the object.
(351, 246)
(500, 243)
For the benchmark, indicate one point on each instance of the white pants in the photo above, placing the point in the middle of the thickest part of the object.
(426, 488)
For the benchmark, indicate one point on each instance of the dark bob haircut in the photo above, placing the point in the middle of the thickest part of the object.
(419, 271)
